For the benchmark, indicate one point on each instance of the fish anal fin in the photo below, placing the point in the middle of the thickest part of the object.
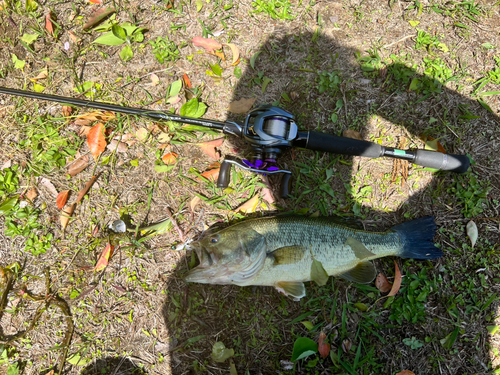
(295, 289)
(359, 249)
(287, 255)
(363, 273)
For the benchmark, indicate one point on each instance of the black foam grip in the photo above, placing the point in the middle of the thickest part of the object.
(224, 175)
(285, 185)
(342, 145)
(444, 162)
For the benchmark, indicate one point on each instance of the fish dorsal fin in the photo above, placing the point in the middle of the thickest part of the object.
(346, 221)
(287, 255)
(363, 273)
(359, 249)
(295, 289)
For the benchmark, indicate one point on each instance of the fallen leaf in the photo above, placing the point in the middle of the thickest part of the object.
(220, 353)
(351, 133)
(49, 185)
(73, 37)
(66, 110)
(95, 116)
(84, 131)
(6, 165)
(235, 51)
(78, 165)
(187, 81)
(405, 372)
(62, 198)
(96, 1)
(142, 134)
(432, 144)
(66, 216)
(194, 202)
(241, 106)
(323, 345)
(382, 283)
(98, 17)
(32, 194)
(86, 188)
(219, 54)
(104, 258)
(207, 43)
(170, 158)
(208, 147)
(346, 345)
(42, 75)
(170, 4)
(96, 140)
(397, 281)
(154, 79)
(232, 368)
(211, 174)
(472, 232)
(268, 196)
(250, 205)
(48, 23)
(117, 145)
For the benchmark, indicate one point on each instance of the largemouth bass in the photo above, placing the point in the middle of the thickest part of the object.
(280, 251)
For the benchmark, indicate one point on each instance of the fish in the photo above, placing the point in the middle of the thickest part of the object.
(283, 251)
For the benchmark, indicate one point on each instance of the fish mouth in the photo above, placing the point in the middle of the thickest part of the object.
(206, 267)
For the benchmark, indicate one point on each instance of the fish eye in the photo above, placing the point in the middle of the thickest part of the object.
(214, 239)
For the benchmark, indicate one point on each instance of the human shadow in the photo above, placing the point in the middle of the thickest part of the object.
(331, 88)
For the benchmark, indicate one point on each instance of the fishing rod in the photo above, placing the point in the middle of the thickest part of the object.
(269, 131)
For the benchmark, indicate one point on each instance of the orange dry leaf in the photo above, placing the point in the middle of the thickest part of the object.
(31, 194)
(96, 140)
(250, 205)
(212, 174)
(209, 147)
(235, 51)
(86, 188)
(48, 23)
(66, 110)
(66, 216)
(323, 345)
(219, 54)
(432, 144)
(94, 116)
(207, 43)
(170, 158)
(62, 198)
(104, 258)
(96, 1)
(397, 281)
(382, 283)
(406, 372)
(187, 81)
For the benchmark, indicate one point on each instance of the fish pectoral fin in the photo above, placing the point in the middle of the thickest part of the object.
(359, 249)
(287, 255)
(363, 273)
(291, 288)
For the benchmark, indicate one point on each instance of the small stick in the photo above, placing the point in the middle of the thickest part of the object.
(174, 223)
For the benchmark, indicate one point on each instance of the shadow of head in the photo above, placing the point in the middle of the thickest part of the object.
(113, 366)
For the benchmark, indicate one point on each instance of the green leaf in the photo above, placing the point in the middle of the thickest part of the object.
(126, 53)
(160, 227)
(18, 64)
(308, 324)
(334, 117)
(202, 108)
(190, 108)
(492, 329)
(13, 369)
(8, 205)
(237, 72)
(31, 5)
(361, 306)
(414, 84)
(489, 93)
(216, 69)
(77, 360)
(485, 105)
(199, 5)
(175, 88)
(253, 59)
(163, 168)
(303, 347)
(220, 353)
(487, 45)
(37, 87)
(134, 163)
(119, 32)
(318, 273)
(109, 39)
(265, 83)
(458, 24)
(449, 340)
(414, 23)
(28, 38)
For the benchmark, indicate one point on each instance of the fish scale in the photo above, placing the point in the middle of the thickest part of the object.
(280, 251)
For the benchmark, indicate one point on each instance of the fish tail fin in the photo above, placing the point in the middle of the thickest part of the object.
(417, 239)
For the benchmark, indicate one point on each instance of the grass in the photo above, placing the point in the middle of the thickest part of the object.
(336, 68)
